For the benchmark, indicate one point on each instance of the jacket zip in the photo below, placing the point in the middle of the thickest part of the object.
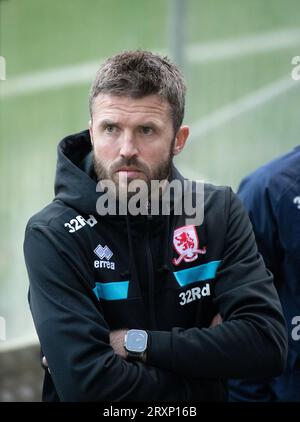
(150, 276)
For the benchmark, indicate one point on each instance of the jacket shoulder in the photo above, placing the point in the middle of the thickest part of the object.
(54, 216)
(217, 195)
(278, 172)
(210, 189)
(274, 179)
(218, 202)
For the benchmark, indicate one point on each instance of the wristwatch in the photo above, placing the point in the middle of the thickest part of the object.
(135, 344)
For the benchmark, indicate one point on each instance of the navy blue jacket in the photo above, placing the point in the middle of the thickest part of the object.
(271, 195)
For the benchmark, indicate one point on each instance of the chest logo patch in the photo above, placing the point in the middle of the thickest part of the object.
(104, 253)
(186, 244)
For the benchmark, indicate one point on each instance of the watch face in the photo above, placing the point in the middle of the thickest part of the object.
(136, 341)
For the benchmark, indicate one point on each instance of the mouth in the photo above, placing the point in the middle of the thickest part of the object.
(129, 171)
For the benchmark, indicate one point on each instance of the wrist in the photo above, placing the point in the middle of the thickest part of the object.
(135, 345)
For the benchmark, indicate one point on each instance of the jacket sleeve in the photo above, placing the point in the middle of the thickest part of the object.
(74, 335)
(273, 214)
(252, 339)
(258, 200)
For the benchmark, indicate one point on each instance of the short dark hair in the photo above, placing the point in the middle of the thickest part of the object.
(140, 73)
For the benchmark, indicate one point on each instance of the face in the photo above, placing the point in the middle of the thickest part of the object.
(133, 138)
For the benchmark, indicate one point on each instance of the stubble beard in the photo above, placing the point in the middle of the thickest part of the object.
(160, 173)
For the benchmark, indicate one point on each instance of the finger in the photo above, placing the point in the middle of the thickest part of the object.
(217, 319)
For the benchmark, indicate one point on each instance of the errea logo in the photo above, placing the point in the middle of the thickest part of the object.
(103, 252)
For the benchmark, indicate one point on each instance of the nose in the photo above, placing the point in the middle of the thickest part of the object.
(128, 146)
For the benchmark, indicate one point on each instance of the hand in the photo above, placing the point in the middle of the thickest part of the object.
(217, 319)
(116, 339)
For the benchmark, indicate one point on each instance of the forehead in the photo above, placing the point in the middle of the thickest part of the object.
(151, 107)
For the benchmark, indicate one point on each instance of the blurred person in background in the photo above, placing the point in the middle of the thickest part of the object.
(271, 196)
(123, 304)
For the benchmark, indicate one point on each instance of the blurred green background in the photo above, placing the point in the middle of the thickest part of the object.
(242, 104)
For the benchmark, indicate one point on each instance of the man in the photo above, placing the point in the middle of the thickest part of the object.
(94, 277)
(271, 195)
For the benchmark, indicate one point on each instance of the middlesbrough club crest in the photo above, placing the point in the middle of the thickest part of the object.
(186, 243)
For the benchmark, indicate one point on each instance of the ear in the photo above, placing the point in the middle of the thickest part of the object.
(180, 139)
(91, 132)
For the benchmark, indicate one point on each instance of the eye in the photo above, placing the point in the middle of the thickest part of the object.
(146, 130)
(110, 128)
